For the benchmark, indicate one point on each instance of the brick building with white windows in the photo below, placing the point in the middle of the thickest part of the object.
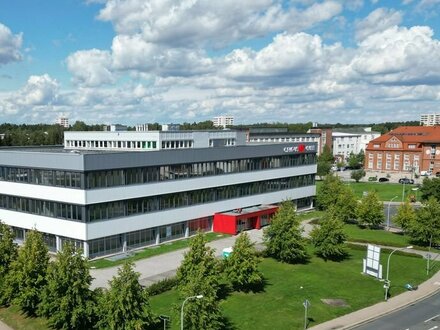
(406, 149)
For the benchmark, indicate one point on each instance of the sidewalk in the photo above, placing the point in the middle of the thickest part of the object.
(407, 298)
(4, 326)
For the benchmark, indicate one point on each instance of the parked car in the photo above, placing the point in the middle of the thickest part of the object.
(437, 174)
(425, 173)
(406, 181)
(384, 179)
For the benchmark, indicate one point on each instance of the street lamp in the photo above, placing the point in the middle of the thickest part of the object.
(388, 216)
(403, 191)
(183, 304)
(387, 281)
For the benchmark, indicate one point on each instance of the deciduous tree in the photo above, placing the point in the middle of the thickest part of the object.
(67, 300)
(357, 174)
(27, 276)
(329, 238)
(283, 238)
(370, 210)
(405, 215)
(242, 265)
(199, 274)
(328, 193)
(126, 304)
(427, 223)
(8, 253)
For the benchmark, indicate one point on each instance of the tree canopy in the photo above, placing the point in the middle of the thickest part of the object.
(283, 238)
(125, 306)
(67, 300)
(199, 274)
(370, 210)
(242, 265)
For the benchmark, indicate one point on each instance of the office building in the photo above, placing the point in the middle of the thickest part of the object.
(108, 193)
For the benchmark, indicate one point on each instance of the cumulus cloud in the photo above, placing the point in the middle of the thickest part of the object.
(10, 45)
(399, 56)
(91, 67)
(377, 21)
(200, 22)
(39, 90)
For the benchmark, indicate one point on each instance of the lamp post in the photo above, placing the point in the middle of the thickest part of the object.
(403, 192)
(183, 304)
(388, 215)
(387, 281)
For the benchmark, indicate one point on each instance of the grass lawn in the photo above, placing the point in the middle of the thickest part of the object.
(280, 305)
(153, 251)
(386, 191)
(17, 320)
(376, 236)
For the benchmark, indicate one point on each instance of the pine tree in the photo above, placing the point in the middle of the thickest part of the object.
(199, 275)
(405, 215)
(370, 211)
(67, 300)
(283, 238)
(125, 306)
(27, 276)
(242, 265)
(329, 237)
(8, 253)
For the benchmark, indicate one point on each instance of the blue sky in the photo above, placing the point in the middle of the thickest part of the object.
(137, 61)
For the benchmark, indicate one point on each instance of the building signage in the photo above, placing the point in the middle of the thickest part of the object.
(300, 148)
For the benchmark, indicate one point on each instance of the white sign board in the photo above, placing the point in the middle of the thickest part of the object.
(372, 264)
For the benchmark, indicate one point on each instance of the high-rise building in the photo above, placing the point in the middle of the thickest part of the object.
(430, 119)
(63, 121)
(223, 121)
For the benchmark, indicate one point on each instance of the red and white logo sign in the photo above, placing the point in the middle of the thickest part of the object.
(299, 148)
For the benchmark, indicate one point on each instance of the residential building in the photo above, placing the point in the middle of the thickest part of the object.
(344, 141)
(406, 149)
(109, 202)
(223, 121)
(351, 140)
(430, 119)
(63, 121)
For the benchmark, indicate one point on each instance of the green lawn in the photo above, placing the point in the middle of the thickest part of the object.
(18, 321)
(280, 305)
(153, 251)
(386, 191)
(376, 236)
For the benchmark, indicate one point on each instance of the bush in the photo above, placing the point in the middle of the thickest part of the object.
(162, 286)
(372, 178)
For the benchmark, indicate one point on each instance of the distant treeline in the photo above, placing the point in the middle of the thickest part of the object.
(44, 134)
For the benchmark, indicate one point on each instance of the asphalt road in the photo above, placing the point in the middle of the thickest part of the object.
(424, 315)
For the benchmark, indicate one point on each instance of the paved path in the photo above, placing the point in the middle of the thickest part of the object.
(4, 326)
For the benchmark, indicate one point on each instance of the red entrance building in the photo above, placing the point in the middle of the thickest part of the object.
(235, 221)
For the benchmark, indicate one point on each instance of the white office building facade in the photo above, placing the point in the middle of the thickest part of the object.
(111, 202)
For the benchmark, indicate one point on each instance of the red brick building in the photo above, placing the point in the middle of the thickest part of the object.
(405, 149)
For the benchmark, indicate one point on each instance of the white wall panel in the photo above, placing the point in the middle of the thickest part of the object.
(58, 194)
(127, 224)
(49, 225)
(173, 186)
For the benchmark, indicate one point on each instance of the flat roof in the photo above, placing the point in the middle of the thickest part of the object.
(249, 210)
(55, 157)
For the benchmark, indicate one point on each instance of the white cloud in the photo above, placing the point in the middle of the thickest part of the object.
(91, 67)
(377, 21)
(205, 22)
(39, 90)
(10, 45)
(291, 56)
(399, 56)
